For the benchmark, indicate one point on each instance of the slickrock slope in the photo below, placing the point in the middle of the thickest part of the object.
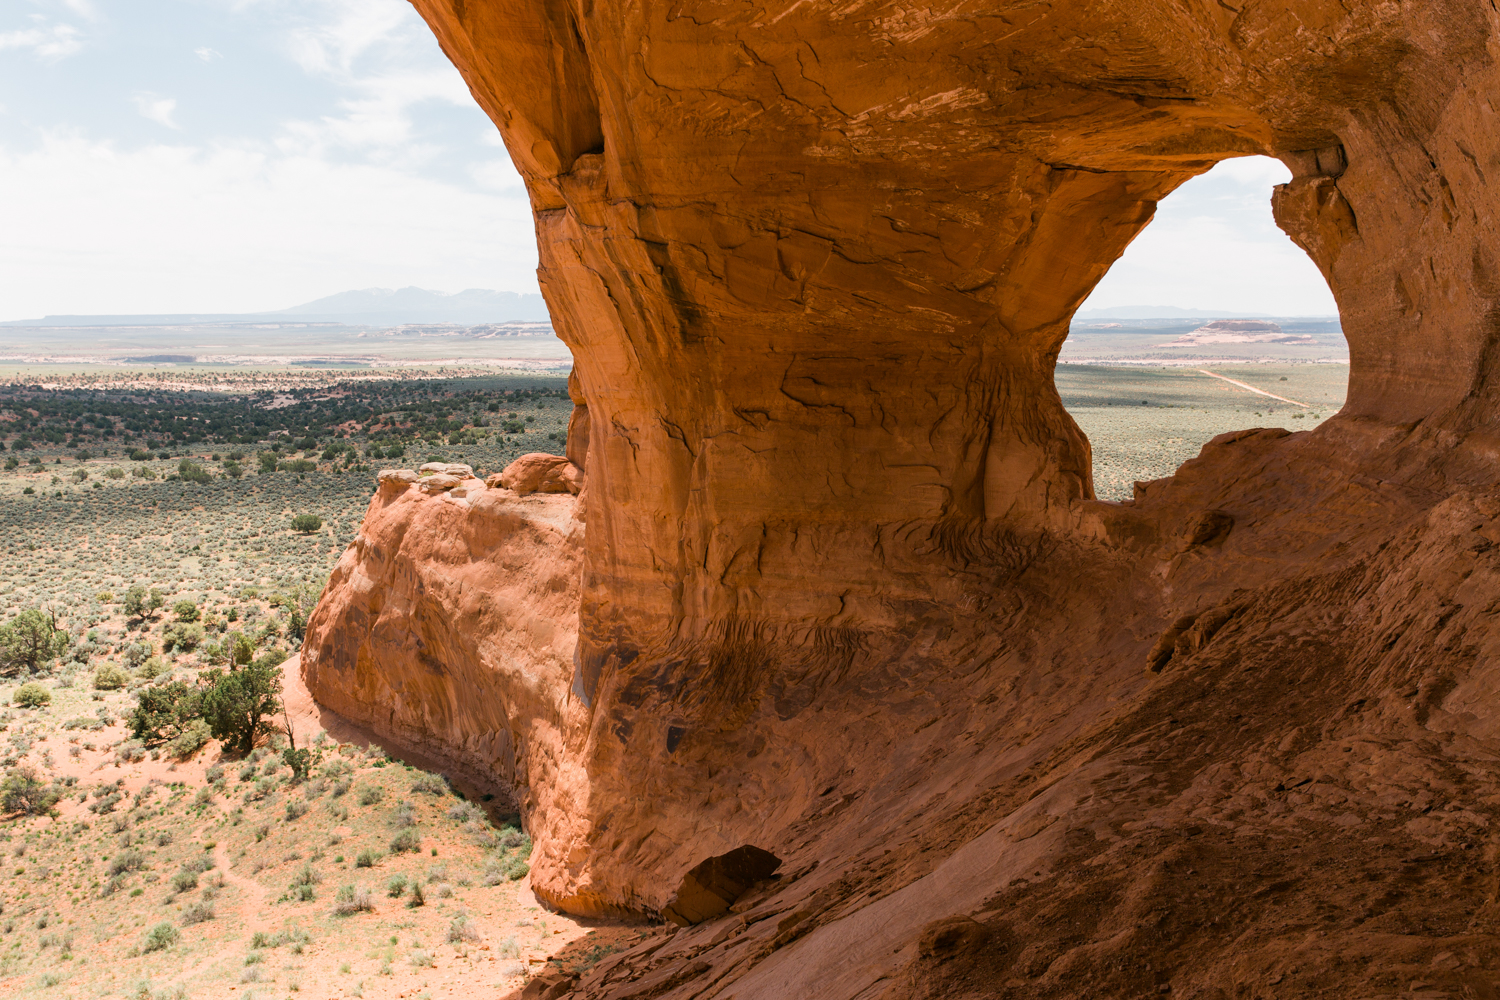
(845, 596)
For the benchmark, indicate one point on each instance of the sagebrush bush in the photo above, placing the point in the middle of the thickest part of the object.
(160, 937)
(462, 930)
(429, 784)
(31, 695)
(194, 737)
(127, 861)
(197, 913)
(352, 899)
(110, 677)
(408, 840)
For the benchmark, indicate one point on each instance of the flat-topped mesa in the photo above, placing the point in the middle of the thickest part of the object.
(846, 603)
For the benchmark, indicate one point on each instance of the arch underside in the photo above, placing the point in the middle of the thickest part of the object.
(847, 596)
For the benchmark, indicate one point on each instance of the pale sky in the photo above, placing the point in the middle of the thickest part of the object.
(247, 155)
(242, 155)
(1214, 245)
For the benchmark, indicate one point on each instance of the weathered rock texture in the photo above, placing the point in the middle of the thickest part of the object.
(845, 594)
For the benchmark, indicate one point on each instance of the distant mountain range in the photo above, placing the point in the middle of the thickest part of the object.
(1161, 312)
(375, 307)
(1170, 312)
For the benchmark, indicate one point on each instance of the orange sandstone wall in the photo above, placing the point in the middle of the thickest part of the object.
(845, 594)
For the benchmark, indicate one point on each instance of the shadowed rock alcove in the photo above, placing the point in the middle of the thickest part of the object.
(836, 582)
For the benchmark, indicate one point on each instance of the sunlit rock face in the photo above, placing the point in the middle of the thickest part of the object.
(845, 596)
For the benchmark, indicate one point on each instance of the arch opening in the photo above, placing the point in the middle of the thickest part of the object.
(1213, 320)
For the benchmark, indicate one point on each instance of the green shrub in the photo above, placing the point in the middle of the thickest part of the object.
(395, 886)
(366, 859)
(130, 860)
(237, 704)
(183, 636)
(31, 695)
(28, 640)
(106, 803)
(370, 794)
(307, 523)
(160, 937)
(140, 602)
(193, 472)
(462, 930)
(194, 737)
(296, 937)
(407, 840)
(197, 913)
(165, 712)
(186, 611)
(352, 899)
(24, 791)
(184, 881)
(115, 472)
(110, 677)
(429, 784)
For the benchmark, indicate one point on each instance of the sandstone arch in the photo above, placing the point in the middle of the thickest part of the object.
(845, 592)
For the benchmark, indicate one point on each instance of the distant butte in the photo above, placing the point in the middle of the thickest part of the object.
(835, 658)
(1239, 331)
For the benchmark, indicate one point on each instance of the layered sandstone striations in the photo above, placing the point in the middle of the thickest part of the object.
(844, 595)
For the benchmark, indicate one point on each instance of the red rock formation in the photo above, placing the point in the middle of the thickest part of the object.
(845, 595)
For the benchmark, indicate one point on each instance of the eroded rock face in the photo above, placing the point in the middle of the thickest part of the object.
(845, 596)
(451, 623)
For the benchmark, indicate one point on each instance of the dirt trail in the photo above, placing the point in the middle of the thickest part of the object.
(252, 907)
(1252, 388)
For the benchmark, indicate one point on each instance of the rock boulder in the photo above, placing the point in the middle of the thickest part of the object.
(541, 473)
(395, 480)
(457, 469)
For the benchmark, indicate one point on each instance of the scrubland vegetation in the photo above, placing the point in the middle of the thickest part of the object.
(160, 552)
(159, 558)
(227, 499)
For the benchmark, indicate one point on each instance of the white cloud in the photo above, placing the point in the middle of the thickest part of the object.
(157, 109)
(385, 62)
(83, 8)
(176, 229)
(364, 176)
(50, 43)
